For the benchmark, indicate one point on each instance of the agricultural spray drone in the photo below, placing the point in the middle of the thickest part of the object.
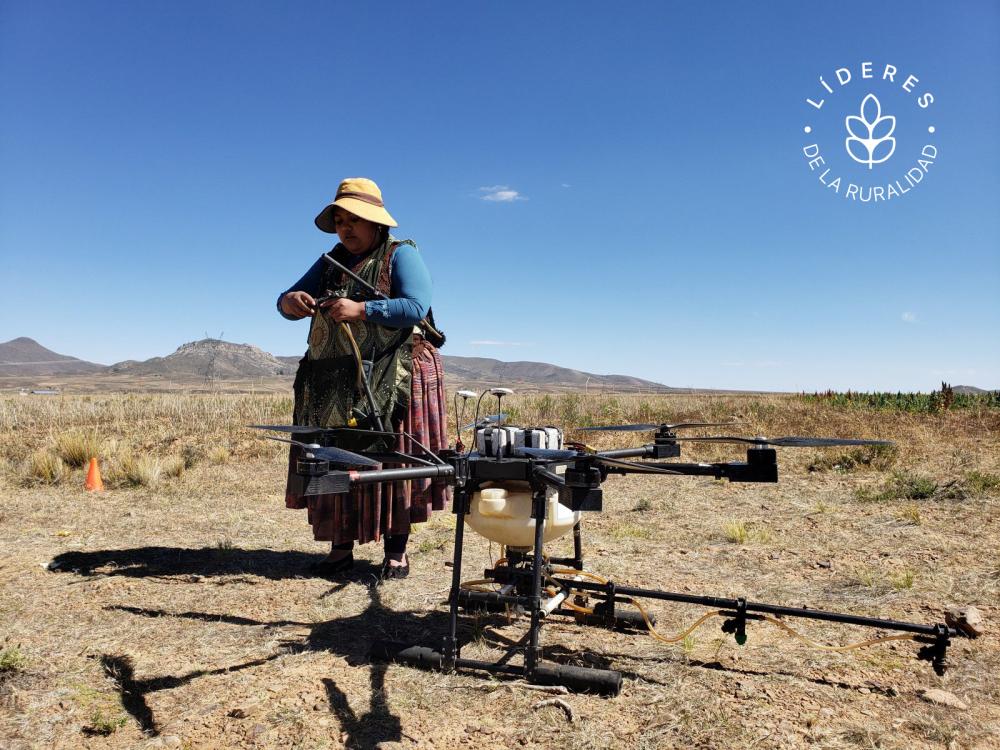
(523, 487)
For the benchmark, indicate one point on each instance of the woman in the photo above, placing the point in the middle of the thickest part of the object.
(406, 377)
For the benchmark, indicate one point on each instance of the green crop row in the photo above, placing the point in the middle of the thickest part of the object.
(923, 403)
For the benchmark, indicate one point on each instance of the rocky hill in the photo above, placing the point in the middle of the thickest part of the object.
(217, 360)
(484, 371)
(481, 370)
(969, 390)
(26, 357)
(208, 359)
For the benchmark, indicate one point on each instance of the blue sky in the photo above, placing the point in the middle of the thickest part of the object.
(161, 164)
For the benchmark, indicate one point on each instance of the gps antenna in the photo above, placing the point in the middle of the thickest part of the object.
(500, 393)
(459, 416)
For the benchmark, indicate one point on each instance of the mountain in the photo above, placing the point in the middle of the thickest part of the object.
(208, 359)
(969, 390)
(481, 370)
(26, 357)
(216, 360)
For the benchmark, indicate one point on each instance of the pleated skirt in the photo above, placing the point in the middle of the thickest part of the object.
(369, 511)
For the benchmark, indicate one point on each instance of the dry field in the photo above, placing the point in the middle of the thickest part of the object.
(172, 611)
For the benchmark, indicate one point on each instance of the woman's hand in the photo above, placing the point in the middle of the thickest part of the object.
(342, 309)
(298, 304)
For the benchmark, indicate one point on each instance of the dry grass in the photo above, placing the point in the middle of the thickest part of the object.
(76, 447)
(173, 467)
(12, 659)
(175, 607)
(982, 483)
(910, 513)
(45, 467)
(741, 532)
(736, 532)
(218, 454)
(877, 457)
(135, 471)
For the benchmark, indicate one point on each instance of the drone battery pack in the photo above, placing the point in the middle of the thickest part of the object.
(505, 441)
(554, 435)
(491, 441)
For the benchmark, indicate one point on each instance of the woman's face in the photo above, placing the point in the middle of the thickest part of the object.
(356, 234)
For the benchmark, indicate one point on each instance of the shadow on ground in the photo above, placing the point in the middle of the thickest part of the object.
(163, 562)
(349, 637)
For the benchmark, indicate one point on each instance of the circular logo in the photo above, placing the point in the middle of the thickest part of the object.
(870, 133)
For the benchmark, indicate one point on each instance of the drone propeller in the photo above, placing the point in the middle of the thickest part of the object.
(486, 420)
(293, 429)
(296, 429)
(548, 454)
(788, 442)
(648, 427)
(329, 453)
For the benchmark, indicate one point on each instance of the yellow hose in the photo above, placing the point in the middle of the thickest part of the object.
(718, 613)
(346, 330)
(824, 647)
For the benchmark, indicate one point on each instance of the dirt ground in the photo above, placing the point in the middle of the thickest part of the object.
(179, 614)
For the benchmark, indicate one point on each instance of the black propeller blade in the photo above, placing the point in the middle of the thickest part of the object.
(649, 427)
(486, 420)
(329, 453)
(788, 442)
(549, 454)
(294, 429)
(302, 429)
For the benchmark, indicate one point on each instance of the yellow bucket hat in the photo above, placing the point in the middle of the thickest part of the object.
(361, 197)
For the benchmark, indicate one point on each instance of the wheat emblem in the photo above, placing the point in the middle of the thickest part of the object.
(871, 134)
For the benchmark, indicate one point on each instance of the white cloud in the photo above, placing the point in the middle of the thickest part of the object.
(566, 184)
(492, 342)
(500, 194)
(908, 317)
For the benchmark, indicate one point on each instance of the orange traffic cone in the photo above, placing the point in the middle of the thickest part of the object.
(94, 483)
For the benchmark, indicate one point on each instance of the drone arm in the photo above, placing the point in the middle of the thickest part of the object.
(664, 447)
(550, 478)
(761, 466)
(692, 470)
(578, 490)
(392, 475)
(337, 482)
(645, 451)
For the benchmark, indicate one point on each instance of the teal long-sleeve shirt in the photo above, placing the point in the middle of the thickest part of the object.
(409, 292)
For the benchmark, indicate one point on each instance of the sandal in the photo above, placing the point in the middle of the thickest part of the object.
(332, 568)
(394, 571)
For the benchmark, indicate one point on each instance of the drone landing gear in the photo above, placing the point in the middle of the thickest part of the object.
(520, 580)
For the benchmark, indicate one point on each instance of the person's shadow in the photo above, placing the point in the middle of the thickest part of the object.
(350, 637)
(174, 562)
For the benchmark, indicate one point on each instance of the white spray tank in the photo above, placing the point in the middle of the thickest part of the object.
(501, 511)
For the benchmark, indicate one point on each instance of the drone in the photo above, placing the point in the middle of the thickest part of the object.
(524, 487)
